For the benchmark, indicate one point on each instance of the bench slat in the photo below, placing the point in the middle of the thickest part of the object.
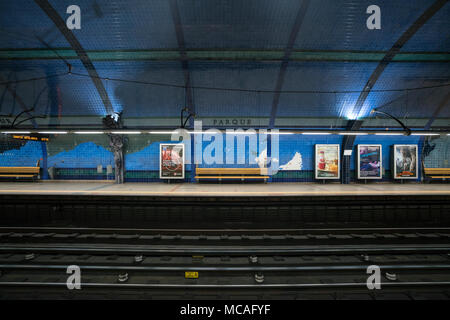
(437, 170)
(440, 177)
(19, 170)
(18, 175)
(231, 177)
(228, 171)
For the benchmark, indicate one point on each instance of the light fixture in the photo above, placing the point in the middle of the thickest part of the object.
(88, 132)
(52, 132)
(280, 132)
(16, 132)
(425, 134)
(353, 133)
(161, 132)
(239, 132)
(126, 132)
(407, 130)
(316, 133)
(389, 134)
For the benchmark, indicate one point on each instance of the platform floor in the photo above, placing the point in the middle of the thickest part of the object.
(209, 189)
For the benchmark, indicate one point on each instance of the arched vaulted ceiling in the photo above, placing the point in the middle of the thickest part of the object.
(266, 59)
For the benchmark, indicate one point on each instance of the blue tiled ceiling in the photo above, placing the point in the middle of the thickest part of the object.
(420, 103)
(137, 99)
(237, 24)
(256, 76)
(21, 21)
(434, 36)
(341, 24)
(230, 44)
(131, 24)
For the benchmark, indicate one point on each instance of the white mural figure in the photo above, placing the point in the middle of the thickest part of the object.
(262, 161)
(296, 163)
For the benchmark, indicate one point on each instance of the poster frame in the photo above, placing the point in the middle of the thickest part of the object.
(160, 158)
(316, 171)
(358, 161)
(416, 176)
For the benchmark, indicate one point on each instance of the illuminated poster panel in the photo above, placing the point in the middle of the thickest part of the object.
(171, 161)
(327, 161)
(369, 162)
(405, 161)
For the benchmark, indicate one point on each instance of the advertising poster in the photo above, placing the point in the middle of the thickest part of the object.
(327, 161)
(171, 161)
(369, 161)
(405, 161)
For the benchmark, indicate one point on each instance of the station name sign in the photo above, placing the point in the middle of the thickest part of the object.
(30, 137)
(232, 122)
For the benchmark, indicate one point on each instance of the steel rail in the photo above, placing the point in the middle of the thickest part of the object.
(221, 230)
(232, 268)
(212, 286)
(220, 250)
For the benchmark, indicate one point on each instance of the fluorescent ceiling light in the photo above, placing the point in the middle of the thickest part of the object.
(256, 132)
(52, 132)
(425, 134)
(316, 133)
(353, 133)
(126, 132)
(161, 132)
(16, 132)
(88, 132)
(388, 134)
(238, 132)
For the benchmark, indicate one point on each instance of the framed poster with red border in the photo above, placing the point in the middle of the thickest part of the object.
(171, 161)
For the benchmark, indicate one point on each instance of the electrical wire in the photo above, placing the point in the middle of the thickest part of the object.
(160, 84)
(255, 90)
(33, 79)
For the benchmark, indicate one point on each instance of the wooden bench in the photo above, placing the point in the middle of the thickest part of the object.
(437, 173)
(229, 173)
(20, 172)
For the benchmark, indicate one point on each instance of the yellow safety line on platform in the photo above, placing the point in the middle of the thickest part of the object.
(319, 192)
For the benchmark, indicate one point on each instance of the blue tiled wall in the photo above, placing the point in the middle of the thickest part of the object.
(25, 156)
(143, 163)
(85, 155)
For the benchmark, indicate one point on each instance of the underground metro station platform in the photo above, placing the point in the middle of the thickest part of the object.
(224, 150)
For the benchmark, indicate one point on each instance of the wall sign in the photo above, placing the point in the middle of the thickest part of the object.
(30, 137)
(232, 122)
(171, 161)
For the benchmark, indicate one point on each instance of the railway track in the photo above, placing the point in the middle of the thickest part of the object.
(277, 276)
(292, 263)
(215, 236)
